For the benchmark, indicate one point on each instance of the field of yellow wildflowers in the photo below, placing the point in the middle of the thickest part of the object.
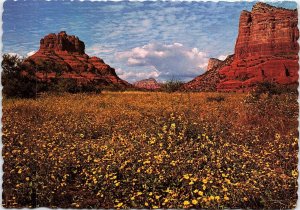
(151, 150)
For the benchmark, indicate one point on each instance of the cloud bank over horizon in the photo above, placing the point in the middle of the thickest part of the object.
(165, 61)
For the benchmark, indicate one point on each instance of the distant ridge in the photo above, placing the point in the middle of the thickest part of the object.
(148, 84)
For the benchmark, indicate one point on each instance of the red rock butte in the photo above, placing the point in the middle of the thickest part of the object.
(66, 54)
(266, 50)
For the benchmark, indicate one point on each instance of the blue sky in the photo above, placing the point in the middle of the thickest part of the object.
(163, 40)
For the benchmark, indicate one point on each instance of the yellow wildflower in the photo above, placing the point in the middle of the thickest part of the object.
(205, 180)
(119, 205)
(186, 203)
(294, 173)
(173, 126)
(186, 176)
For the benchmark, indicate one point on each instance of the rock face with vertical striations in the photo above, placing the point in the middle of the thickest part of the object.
(63, 56)
(266, 49)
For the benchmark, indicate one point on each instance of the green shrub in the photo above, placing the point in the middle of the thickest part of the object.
(70, 85)
(171, 86)
(16, 82)
(215, 98)
(67, 85)
(267, 90)
(271, 88)
(90, 87)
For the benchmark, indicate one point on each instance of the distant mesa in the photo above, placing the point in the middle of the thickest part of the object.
(266, 50)
(63, 56)
(148, 84)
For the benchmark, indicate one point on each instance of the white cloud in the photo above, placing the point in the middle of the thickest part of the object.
(15, 54)
(97, 49)
(168, 60)
(222, 57)
(133, 62)
(30, 53)
(137, 75)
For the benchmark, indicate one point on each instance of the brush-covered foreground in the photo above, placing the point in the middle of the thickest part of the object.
(151, 150)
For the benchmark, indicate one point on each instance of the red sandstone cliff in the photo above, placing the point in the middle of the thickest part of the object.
(266, 49)
(63, 56)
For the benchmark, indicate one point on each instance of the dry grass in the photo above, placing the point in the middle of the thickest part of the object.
(151, 150)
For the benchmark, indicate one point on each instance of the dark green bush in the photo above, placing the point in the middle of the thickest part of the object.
(67, 85)
(70, 85)
(271, 88)
(90, 87)
(215, 98)
(16, 82)
(267, 90)
(171, 86)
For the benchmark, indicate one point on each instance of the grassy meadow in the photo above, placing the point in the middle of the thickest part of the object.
(151, 150)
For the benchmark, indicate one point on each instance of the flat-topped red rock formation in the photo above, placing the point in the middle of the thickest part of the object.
(62, 42)
(149, 84)
(266, 49)
(63, 56)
